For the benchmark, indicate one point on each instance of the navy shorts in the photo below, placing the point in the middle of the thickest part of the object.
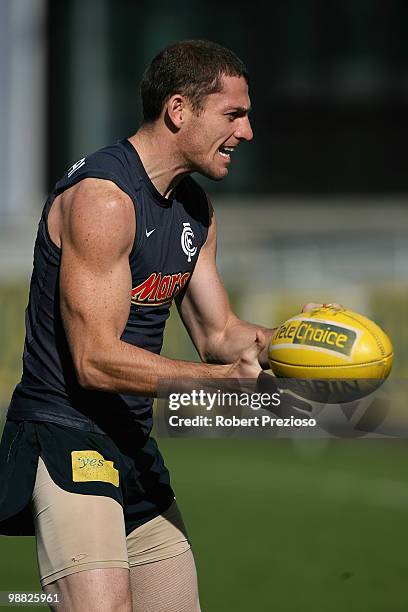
(80, 462)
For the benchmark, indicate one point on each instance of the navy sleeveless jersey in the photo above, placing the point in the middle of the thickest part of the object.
(169, 236)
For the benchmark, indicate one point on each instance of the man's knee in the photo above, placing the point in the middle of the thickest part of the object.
(99, 590)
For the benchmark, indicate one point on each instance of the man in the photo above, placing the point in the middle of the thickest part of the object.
(124, 232)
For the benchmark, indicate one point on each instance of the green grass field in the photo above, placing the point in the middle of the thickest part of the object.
(278, 526)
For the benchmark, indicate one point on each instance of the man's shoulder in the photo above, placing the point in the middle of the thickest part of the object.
(108, 158)
(109, 163)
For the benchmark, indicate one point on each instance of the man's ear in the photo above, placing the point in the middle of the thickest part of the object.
(178, 110)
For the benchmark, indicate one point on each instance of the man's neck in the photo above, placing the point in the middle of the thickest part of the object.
(160, 159)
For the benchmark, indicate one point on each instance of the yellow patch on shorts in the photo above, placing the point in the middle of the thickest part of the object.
(89, 465)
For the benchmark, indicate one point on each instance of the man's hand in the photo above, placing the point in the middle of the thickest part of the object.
(312, 305)
(290, 404)
(247, 364)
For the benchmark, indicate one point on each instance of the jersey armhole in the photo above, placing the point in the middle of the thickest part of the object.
(209, 215)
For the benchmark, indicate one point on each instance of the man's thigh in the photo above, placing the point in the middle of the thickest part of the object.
(83, 553)
(160, 538)
(162, 569)
(75, 532)
(169, 585)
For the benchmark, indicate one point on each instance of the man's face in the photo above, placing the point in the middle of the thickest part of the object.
(211, 137)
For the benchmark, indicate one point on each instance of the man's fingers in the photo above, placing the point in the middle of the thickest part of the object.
(312, 305)
(260, 340)
(253, 351)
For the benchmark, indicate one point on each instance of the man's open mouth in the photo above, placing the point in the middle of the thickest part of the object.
(226, 151)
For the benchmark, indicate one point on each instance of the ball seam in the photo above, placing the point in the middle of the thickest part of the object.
(373, 332)
(339, 365)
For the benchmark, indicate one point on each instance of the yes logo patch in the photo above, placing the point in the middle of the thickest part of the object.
(91, 466)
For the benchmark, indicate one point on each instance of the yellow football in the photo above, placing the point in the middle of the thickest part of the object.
(332, 354)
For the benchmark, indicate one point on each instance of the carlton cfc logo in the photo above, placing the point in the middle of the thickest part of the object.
(187, 243)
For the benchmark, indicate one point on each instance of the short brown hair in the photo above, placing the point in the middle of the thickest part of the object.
(193, 68)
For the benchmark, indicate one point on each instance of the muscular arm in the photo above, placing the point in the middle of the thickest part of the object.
(218, 334)
(96, 229)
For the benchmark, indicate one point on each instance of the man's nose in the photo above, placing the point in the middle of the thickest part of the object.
(244, 130)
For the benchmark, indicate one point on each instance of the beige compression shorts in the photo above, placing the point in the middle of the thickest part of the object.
(79, 532)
